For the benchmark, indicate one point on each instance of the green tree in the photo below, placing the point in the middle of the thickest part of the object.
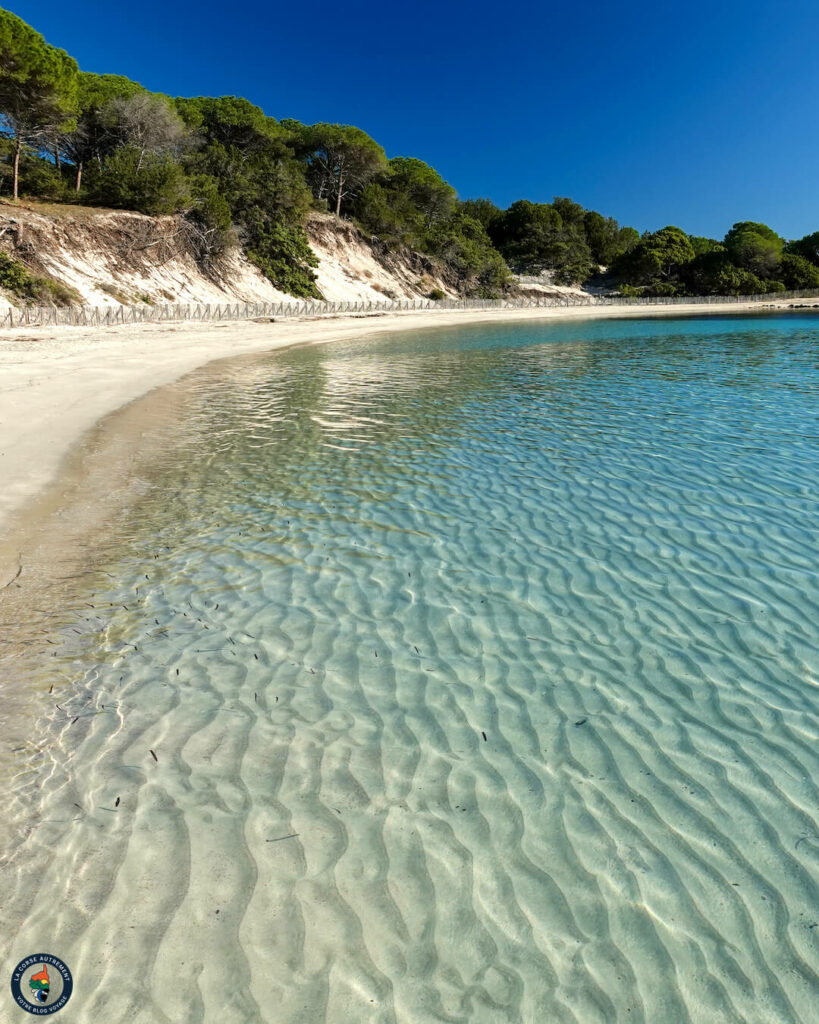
(95, 137)
(38, 89)
(527, 235)
(755, 247)
(702, 245)
(246, 157)
(627, 238)
(798, 273)
(341, 160)
(607, 240)
(483, 210)
(807, 247)
(467, 250)
(713, 273)
(404, 203)
(656, 259)
(423, 186)
(152, 183)
(545, 236)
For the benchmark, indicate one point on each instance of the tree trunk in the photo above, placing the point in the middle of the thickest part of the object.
(16, 174)
(79, 175)
(57, 162)
(338, 197)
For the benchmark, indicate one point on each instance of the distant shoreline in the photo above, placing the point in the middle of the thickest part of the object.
(56, 384)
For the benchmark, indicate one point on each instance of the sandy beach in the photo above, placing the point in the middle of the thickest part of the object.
(56, 383)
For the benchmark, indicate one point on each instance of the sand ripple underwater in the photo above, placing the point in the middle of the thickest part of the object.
(464, 676)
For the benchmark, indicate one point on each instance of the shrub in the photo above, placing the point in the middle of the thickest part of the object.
(436, 295)
(148, 183)
(284, 256)
(798, 272)
(31, 288)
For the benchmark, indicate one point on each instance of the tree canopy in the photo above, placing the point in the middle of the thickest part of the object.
(238, 176)
(38, 88)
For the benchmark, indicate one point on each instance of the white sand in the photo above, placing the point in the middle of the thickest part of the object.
(56, 383)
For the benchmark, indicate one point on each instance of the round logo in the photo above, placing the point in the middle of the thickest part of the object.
(41, 984)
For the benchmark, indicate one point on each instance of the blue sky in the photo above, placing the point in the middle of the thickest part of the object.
(696, 114)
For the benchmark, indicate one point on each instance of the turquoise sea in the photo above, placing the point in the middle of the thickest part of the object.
(466, 676)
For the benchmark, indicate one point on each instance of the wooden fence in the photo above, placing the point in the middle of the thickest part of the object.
(106, 316)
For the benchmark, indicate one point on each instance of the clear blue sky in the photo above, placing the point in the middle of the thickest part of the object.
(689, 113)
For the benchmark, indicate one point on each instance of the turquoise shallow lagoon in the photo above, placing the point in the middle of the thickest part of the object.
(460, 676)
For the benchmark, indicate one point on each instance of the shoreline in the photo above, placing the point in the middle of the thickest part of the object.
(57, 384)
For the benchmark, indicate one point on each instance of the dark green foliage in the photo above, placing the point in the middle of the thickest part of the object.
(409, 204)
(38, 89)
(341, 160)
(606, 239)
(256, 181)
(796, 272)
(702, 245)
(37, 176)
(424, 188)
(283, 254)
(210, 220)
(390, 218)
(483, 210)
(561, 237)
(713, 273)
(526, 235)
(152, 184)
(464, 246)
(30, 288)
(755, 247)
(807, 247)
(656, 259)
(749, 262)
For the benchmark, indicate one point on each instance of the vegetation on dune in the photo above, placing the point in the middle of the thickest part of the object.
(17, 279)
(751, 260)
(236, 175)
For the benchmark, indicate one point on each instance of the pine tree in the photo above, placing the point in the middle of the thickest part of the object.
(38, 89)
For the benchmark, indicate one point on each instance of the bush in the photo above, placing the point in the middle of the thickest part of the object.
(31, 288)
(41, 179)
(798, 272)
(284, 256)
(209, 220)
(436, 295)
(151, 184)
(464, 246)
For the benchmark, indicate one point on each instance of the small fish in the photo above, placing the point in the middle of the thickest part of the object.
(117, 803)
(484, 736)
(581, 721)
(153, 755)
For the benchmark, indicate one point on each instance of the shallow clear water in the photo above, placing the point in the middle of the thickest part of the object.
(480, 667)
